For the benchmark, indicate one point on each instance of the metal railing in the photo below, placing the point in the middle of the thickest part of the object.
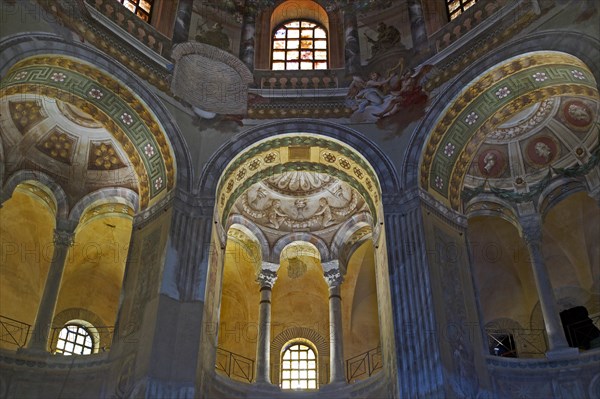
(517, 342)
(13, 332)
(235, 366)
(363, 365)
(102, 337)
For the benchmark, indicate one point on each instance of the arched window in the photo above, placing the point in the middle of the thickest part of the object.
(75, 339)
(141, 8)
(299, 367)
(299, 44)
(456, 7)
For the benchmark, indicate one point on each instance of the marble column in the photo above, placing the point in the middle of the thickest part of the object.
(63, 240)
(337, 366)
(352, 50)
(531, 230)
(247, 40)
(417, 25)
(266, 279)
(181, 30)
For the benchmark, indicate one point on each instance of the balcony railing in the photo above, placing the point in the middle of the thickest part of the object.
(13, 333)
(517, 342)
(465, 23)
(235, 366)
(298, 80)
(364, 365)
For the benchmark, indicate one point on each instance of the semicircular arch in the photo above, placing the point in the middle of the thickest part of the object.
(441, 161)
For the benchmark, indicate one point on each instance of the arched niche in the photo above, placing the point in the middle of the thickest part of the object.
(27, 222)
(262, 157)
(95, 265)
(238, 318)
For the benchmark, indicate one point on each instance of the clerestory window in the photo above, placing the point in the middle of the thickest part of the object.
(456, 7)
(141, 8)
(74, 339)
(299, 45)
(298, 367)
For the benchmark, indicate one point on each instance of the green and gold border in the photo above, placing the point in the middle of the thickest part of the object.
(109, 102)
(486, 103)
(274, 156)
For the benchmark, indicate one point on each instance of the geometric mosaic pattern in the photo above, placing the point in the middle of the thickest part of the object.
(500, 93)
(58, 145)
(104, 157)
(25, 114)
(109, 102)
(296, 153)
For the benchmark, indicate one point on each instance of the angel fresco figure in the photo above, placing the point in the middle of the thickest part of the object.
(362, 94)
(405, 89)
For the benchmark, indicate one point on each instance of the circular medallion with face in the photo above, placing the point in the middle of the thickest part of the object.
(541, 151)
(491, 163)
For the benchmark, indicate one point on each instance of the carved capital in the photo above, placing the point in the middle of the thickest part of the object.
(266, 278)
(63, 238)
(333, 277)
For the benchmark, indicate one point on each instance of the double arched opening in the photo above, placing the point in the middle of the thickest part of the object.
(515, 163)
(298, 226)
(82, 157)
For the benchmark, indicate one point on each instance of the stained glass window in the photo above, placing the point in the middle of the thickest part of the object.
(456, 7)
(299, 44)
(141, 8)
(298, 367)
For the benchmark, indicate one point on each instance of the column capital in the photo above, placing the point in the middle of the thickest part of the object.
(63, 235)
(266, 278)
(531, 228)
(333, 277)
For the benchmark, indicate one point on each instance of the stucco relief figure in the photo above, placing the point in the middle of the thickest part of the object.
(543, 150)
(324, 211)
(274, 214)
(489, 161)
(387, 38)
(300, 205)
(579, 113)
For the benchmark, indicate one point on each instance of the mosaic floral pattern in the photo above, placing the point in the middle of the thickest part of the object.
(158, 183)
(58, 77)
(21, 75)
(577, 74)
(449, 149)
(127, 119)
(471, 118)
(502, 92)
(149, 150)
(96, 93)
(540, 76)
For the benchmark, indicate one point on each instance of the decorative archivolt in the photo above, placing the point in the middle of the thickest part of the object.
(299, 152)
(322, 217)
(485, 104)
(110, 103)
